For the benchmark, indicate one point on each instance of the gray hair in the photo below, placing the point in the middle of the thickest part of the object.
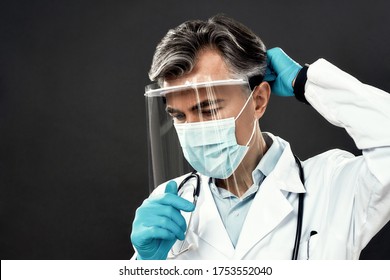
(241, 49)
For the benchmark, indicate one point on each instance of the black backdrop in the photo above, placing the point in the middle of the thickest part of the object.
(73, 154)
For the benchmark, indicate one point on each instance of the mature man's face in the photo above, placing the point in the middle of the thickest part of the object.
(210, 103)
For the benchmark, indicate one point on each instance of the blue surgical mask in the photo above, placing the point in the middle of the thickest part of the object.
(211, 147)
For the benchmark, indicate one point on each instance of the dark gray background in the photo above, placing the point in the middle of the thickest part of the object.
(73, 154)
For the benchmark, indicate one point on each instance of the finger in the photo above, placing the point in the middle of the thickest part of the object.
(271, 55)
(177, 202)
(149, 233)
(270, 75)
(278, 59)
(153, 210)
(166, 224)
(171, 187)
(271, 72)
(144, 229)
(174, 215)
(171, 198)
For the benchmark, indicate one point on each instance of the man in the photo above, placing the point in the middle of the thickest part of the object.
(216, 84)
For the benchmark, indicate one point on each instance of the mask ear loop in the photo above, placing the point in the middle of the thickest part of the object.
(239, 114)
(243, 107)
(253, 132)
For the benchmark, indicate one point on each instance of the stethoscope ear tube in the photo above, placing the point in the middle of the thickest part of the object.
(195, 175)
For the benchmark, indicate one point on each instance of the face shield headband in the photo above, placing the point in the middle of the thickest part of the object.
(155, 90)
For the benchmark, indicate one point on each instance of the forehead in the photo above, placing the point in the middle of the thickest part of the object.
(209, 66)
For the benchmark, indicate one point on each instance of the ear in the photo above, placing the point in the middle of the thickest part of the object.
(261, 97)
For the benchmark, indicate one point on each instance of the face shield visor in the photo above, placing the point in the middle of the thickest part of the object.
(203, 125)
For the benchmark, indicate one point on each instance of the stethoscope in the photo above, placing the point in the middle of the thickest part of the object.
(195, 175)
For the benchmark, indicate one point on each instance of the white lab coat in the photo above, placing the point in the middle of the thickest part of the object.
(347, 198)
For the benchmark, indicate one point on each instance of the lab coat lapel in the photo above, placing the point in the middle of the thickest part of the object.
(208, 225)
(268, 209)
(270, 205)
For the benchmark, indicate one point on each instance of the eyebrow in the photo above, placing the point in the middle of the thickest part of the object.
(202, 104)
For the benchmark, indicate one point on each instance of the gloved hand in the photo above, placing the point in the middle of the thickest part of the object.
(281, 72)
(158, 223)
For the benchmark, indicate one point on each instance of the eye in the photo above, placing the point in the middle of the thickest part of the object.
(210, 112)
(178, 117)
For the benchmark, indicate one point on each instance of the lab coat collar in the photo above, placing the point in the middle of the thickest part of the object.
(286, 171)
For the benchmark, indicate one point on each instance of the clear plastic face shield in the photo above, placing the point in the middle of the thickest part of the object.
(203, 125)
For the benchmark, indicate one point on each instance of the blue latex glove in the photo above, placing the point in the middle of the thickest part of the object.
(158, 223)
(281, 72)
